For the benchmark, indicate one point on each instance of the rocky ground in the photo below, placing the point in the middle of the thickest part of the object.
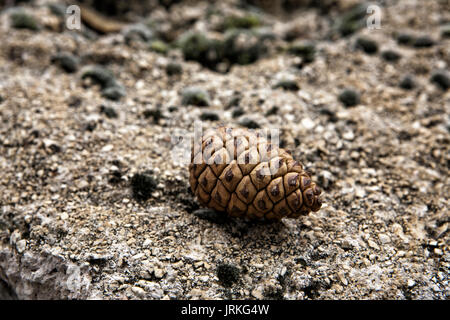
(93, 207)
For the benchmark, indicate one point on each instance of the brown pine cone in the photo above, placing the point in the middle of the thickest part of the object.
(241, 173)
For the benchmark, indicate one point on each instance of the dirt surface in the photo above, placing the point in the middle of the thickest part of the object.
(72, 223)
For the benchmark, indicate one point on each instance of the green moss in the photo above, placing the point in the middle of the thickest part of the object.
(243, 46)
(239, 46)
(99, 75)
(196, 46)
(58, 9)
(111, 88)
(114, 92)
(247, 21)
(142, 185)
(173, 68)
(264, 33)
(138, 32)
(352, 20)
(195, 96)
(303, 49)
(22, 20)
(159, 46)
(228, 274)
(66, 61)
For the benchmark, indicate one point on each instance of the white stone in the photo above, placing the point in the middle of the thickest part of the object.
(257, 293)
(307, 123)
(21, 245)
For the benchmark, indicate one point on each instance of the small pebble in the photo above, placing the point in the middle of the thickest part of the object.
(332, 117)
(373, 244)
(90, 126)
(108, 111)
(159, 273)
(307, 123)
(273, 111)
(74, 101)
(369, 46)
(407, 83)
(290, 85)
(349, 97)
(138, 291)
(210, 215)
(326, 179)
(21, 245)
(405, 39)
(209, 116)
(349, 135)
(441, 79)
(384, 238)
(258, 293)
(391, 55)
(156, 114)
(249, 123)
(445, 31)
(237, 112)
(423, 42)
(234, 101)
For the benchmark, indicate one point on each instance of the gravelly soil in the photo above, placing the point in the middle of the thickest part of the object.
(70, 226)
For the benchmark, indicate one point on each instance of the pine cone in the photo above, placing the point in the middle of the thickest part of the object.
(241, 173)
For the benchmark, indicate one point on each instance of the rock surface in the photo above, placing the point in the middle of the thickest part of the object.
(70, 227)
